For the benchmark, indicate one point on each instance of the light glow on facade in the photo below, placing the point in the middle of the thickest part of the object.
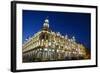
(47, 45)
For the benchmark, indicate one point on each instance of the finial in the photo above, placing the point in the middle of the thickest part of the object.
(46, 20)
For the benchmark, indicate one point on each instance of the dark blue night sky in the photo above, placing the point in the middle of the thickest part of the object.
(72, 24)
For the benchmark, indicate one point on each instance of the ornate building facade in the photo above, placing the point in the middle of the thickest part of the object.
(47, 45)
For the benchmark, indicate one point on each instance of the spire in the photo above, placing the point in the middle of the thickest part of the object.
(46, 23)
(73, 38)
(66, 36)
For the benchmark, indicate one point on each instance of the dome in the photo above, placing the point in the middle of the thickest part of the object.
(46, 21)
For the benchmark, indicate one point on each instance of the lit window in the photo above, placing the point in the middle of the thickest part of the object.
(53, 50)
(49, 43)
(45, 49)
(57, 50)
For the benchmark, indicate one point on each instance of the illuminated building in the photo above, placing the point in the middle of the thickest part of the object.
(47, 45)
